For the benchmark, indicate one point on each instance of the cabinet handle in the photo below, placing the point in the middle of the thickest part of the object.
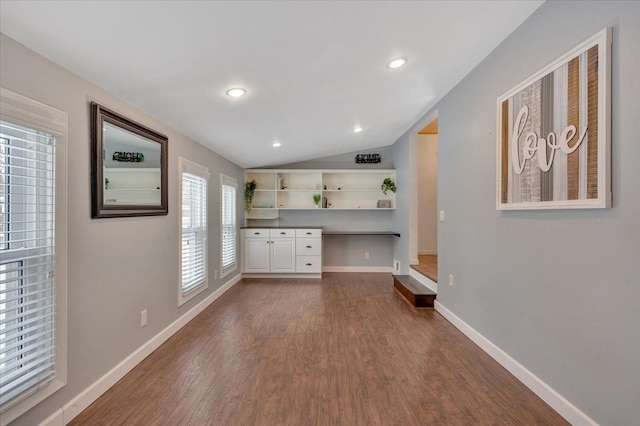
(308, 233)
(256, 233)
(308, 246)
(308, 264)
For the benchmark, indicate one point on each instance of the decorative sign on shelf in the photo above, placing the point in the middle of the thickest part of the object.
(553, 132)
(128, 157)
(368, 158)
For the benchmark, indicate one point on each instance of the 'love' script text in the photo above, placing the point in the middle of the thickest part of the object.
(533, 143)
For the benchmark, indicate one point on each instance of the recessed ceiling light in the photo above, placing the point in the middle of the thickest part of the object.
(357, 129)
(276, 144)
(397, 63)
(236, 92)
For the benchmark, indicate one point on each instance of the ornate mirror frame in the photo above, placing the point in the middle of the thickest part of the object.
(132, 206)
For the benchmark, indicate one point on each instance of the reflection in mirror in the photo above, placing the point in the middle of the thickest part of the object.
(129, 174)
(131, 168)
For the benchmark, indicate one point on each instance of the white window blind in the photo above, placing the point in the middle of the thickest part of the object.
(228, 252)
(27, 251)
(193, 266)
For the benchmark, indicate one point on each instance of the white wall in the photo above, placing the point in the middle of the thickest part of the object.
(116, 267)
(427, 148)
(557, 290)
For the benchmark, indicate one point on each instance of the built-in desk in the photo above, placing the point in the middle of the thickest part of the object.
(390, 233)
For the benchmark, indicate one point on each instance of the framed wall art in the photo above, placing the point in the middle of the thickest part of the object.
(554, 145)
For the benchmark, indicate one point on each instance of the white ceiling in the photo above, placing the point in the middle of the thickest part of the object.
(312, 70)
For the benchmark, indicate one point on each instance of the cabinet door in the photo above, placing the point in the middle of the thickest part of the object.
(283, 255)
(256, 255)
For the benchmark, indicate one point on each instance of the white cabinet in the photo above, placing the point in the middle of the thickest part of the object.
(281, 251)
(283, 255)
(280, 189)
(309, 250)
(256, 255)
(269, 250)
(308, 264)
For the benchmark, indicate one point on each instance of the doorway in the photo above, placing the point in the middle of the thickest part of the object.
(425, 229)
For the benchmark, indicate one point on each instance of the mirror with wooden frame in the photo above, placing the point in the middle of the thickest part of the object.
(129, 167)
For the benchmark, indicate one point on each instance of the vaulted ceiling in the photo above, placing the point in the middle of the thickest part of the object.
(312, 70)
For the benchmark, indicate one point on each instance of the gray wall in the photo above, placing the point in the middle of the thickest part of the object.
(400, 218)
(557, 290)
(346, 161)
(116, 267)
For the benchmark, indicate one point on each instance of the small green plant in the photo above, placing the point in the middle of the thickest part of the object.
(106, 183)
(317, 198)
(388, 185)
(249, 189)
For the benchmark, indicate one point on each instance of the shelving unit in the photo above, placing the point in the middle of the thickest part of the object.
(280, 189)
(132, 186)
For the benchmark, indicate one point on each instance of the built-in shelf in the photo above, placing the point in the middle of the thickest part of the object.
(294, 189)
(132, 186)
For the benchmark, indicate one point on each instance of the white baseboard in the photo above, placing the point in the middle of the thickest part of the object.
(424, 252)
(56, 419)
(377, 269)
(425, 281)
(292, 275)
(414, 261)
(100, 386)
(567, 410)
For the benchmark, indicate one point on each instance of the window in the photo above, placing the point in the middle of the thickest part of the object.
(228, 215)
(193, 220)
(32, 247)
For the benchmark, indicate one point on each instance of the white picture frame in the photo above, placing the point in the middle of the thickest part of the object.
(565, 108)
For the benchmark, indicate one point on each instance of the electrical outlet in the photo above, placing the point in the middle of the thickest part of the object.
(441, 215)
(143, 318)
(451, 280)
(396, 265)
(215, 274)
(366, 254)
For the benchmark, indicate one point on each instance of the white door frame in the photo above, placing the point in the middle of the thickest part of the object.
(413, 186)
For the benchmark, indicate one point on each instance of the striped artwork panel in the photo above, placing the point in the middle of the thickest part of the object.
(573, 111)
(592, 122)
(564, 99)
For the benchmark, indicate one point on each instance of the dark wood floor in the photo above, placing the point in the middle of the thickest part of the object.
(428, 266)
(344, 350)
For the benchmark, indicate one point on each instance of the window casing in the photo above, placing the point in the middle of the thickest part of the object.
(32, 253)
(193, 230)
(228, 229)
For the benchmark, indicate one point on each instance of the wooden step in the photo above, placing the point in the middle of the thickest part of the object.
(416, 294)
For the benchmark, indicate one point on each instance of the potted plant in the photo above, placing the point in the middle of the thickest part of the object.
(388, 185)
(316, 199)
(249, 189)
(106, 183)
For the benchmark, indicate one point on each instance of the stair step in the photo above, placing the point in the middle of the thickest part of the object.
(418, 295)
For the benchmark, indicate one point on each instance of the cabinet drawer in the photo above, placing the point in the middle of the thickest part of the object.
(256, 232)
(308, 233)
(308, 246)
(283, 233)
(309, 264)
